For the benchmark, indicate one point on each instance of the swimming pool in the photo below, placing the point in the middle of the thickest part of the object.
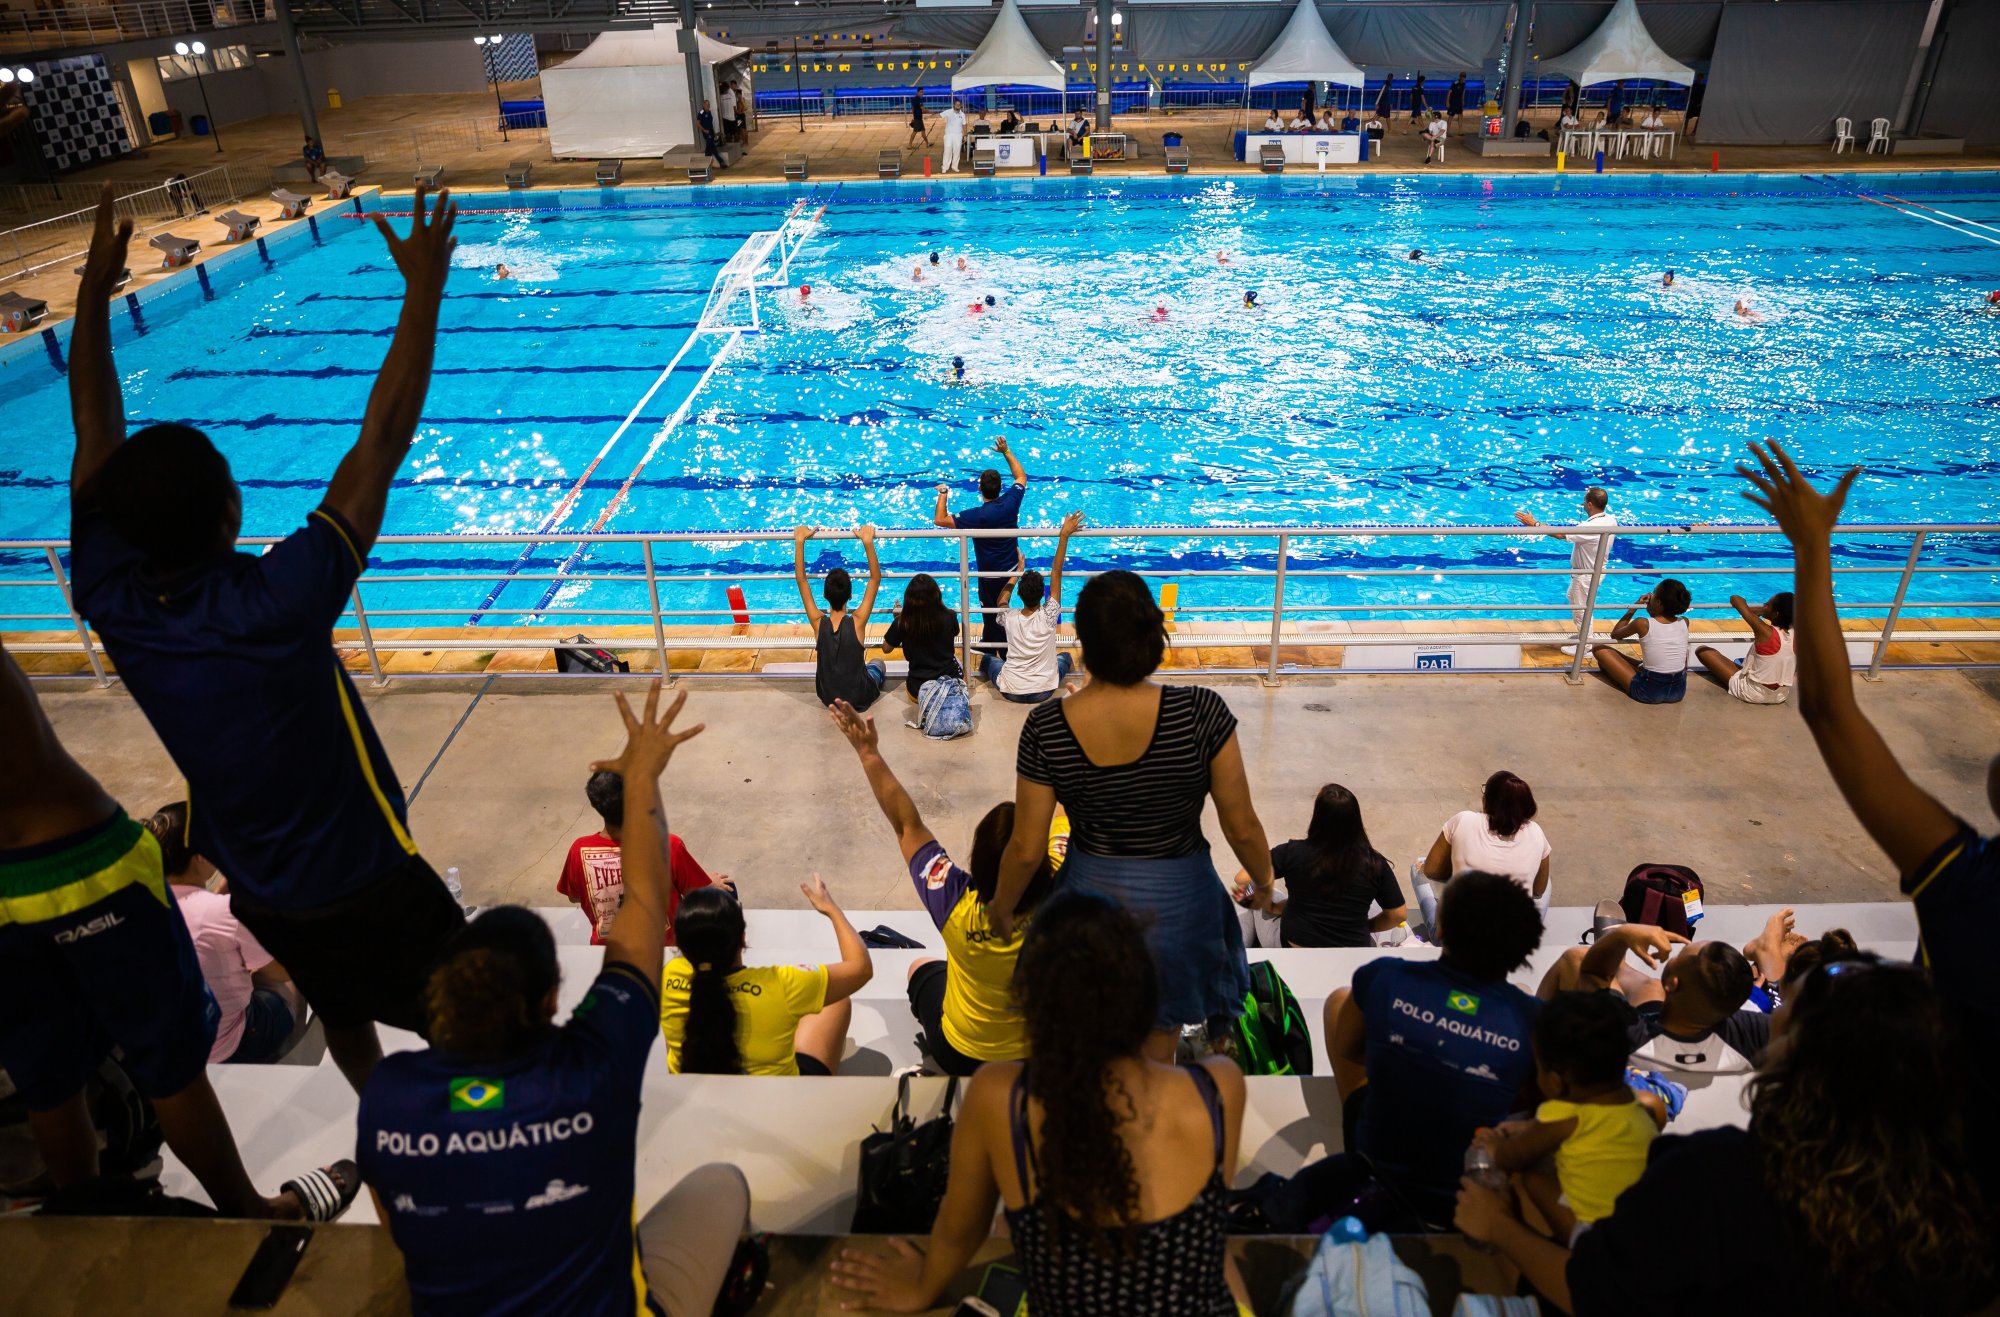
(1530, 354)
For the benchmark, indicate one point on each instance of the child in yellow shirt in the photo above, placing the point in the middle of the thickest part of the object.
(1589, 1138)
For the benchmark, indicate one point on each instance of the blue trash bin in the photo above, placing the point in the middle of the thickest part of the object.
(200, 125)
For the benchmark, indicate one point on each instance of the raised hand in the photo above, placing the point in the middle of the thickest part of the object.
(818, 897)
(109, 240)
(1802, 512)
(424, 256)
(857, 727)
(1072, 523)
(1000, 445)
(650, 740)
(866, 534)
(1650, 944)
(800, 534)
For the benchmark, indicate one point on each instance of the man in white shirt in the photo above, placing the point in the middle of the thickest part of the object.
(727, 103)
(1033, 670)
(1586, 547)
(1434, 135)
(954, 136)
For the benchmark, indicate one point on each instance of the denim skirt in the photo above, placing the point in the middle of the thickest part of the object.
(1189, 924)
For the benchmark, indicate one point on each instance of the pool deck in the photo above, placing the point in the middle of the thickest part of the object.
(708, 651)
(839, 149)
(770, 792)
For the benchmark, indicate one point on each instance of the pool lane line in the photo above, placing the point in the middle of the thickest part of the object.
(617, 499)
(1861, 194)
(1947, 214)
(568, 500)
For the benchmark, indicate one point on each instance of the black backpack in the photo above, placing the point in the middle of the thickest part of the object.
(904, 1169)
(1271, 1034)
(1665, 895)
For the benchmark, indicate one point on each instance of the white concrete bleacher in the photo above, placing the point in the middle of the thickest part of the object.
(797, 1141)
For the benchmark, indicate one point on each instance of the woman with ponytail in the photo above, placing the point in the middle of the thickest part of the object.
(722, 1017)
(1112, 1167)
(501, 1156)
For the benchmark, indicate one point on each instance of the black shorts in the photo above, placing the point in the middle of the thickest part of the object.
(812, 1067)
(367, 956)
(927, 1004)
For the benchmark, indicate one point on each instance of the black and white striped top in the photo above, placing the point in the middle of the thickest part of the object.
(1149, 808)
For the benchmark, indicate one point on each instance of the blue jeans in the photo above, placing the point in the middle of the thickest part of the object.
(267, 1022)
(989, 668)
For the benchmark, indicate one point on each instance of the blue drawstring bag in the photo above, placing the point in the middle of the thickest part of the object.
(1358, 1279)
(944, 709)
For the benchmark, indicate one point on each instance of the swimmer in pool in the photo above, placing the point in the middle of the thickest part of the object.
(805, 293)
(1667, 280)
(1993, 300)
(961, 265)
(501, 271)
(1416, 253)
(917, 274)
(958, 369)
(1222, 258)
(1250, 301)
(1159, 314)
(934, 260)
(975, 309)
(1743, 310)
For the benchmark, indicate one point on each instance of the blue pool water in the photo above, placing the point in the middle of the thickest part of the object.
(1532, 355)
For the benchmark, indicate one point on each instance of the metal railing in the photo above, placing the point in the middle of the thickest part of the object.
(653, 581)
(392, 150)
(27, 248)
(59, 26)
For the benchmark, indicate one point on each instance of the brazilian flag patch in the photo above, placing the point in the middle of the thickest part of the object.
(474, 1094)
(1462, 1002)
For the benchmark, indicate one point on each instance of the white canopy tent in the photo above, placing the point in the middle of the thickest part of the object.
(625, 95)
(1621, 48)
(1009, 55)
(1305, 52)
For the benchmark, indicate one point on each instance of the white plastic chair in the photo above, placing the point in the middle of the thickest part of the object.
(1843, 134)
(1878, 135)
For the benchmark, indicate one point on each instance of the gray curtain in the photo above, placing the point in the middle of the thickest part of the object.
(1684, 29)
(1965, 97)
(1456, 38)
(1782, 73)
(1440, 38)
(964, 29)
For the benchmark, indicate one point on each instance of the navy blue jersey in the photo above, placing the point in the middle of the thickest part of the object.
(508, 1185)
(290, 792)
(998, 554)
(1447, 1054)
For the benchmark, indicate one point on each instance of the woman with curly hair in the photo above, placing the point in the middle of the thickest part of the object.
(1113, 1168)
(1848, 1194)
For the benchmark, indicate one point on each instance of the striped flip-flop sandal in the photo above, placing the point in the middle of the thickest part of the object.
(326, 1192)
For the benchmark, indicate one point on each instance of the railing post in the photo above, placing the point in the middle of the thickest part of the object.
(1583, 627)
(659, 625)
(76, 619)
(368, 638)
(965, 605)
(1277, 611)
(1895, 607)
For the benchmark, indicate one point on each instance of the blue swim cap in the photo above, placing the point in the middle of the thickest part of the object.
(1670, 274)
(989, 299)
(934, 258)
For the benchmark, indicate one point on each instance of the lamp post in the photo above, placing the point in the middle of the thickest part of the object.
(493, 76)
(192, 54)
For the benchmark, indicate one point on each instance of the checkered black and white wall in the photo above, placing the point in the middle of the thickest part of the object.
(75, 112)
(513, 60)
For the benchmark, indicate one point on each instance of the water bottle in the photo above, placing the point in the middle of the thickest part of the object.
(1348, 1230)
(1482, 1170)
(458, 893)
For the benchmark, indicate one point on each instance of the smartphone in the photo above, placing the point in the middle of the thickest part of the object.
(975, 1308)
(1004, 1289)
(271, 1269)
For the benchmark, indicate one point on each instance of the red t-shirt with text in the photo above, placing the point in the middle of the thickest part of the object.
(594, 878)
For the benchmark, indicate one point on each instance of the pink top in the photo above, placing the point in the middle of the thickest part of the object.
(228, 956)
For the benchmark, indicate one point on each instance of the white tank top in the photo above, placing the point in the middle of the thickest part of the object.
(1664, 647)
(1777, 669)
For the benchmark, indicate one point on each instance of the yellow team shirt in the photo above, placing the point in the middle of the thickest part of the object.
(770, 1001)
(980, 1016)
(1604, 1157)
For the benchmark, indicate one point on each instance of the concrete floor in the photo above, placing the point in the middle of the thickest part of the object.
(770, 792)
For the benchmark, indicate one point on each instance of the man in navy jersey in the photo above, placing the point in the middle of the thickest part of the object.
(996, 556)
(230, 656)
(501, 1157)
(1949, 871)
